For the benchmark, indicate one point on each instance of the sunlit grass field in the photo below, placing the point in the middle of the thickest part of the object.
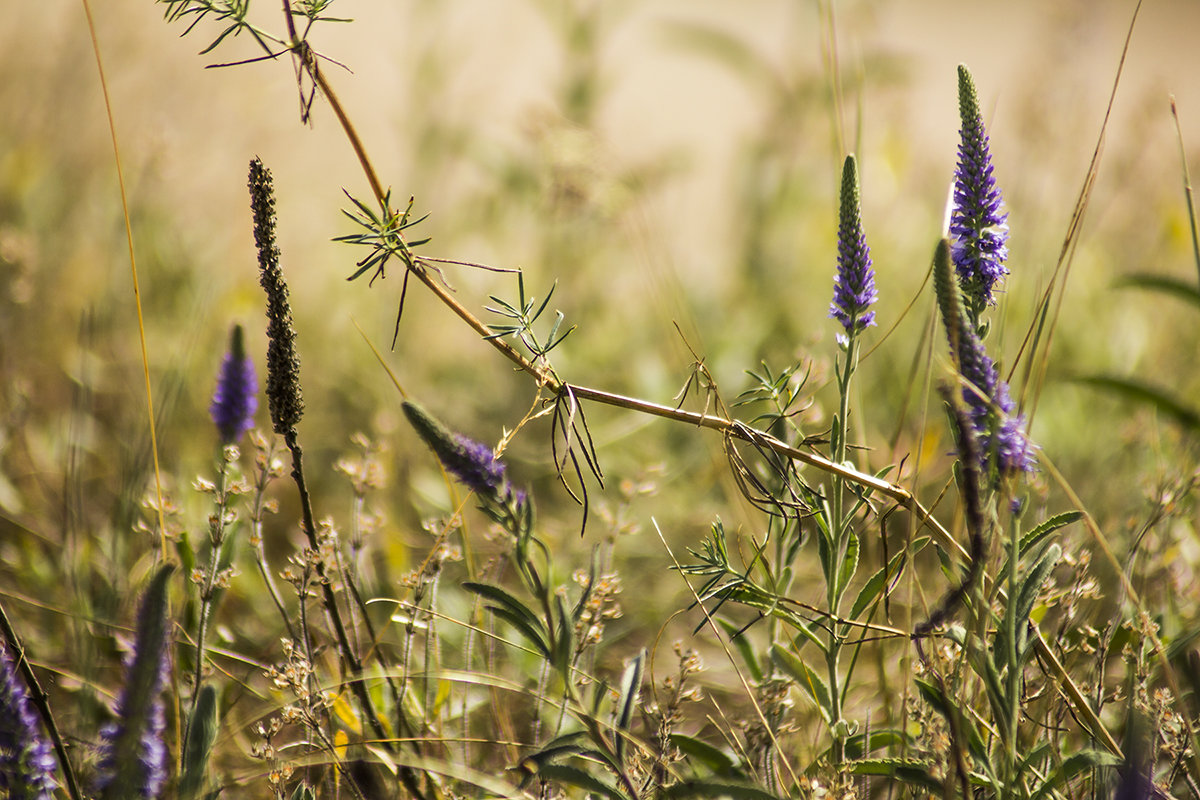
(717, 562)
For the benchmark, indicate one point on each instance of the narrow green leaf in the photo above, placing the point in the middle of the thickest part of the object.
(1048, 527)
(498, 595)
(1179, 289)
(574, 776)
(560, 747)
(565, 640)
(631, 683)
(809, 680)
(1027, 593)
(534, 634)
(303, 792)
(849, 566)
(736, 791)
(910, 771)
(1073, 765)
(862, 744)
(1144, 393)
(202, 732)
(712, 757)
(875, 585)
(744, 647)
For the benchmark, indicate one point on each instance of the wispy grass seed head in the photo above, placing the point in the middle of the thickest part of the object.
(978, 224)
(854, 284)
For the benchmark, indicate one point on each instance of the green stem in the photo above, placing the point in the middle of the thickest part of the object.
(1014, 667)
(837, 530)
(216, 538)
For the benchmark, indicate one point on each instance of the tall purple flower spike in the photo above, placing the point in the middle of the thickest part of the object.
(978, 224)
(1003, 442)
(133, 761)
(470, 461)
(27, 764)
(854, 284)
(236, 400)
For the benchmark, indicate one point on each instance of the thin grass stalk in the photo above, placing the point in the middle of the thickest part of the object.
(1187, 186)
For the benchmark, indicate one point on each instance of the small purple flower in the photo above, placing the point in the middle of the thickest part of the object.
(133, 759)
(978, 225)
(472, 462)
(27, 764)
(235, 401)
(854, 283)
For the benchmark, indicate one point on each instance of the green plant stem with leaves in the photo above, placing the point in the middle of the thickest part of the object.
(840, 534)
(217, 527)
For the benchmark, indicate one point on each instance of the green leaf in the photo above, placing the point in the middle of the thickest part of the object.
(744, 648)
(848, 566)
(1174, 287)
(565, 640)
(876, 584)
(574, 776)
(631, 683)
(1027, 593)
(712, 757)
(737, 791)
(498, 595)
(560, 747)
(910, 771)
(809, 680)
(860, 744)
(1048, 527)
(1072, 766)
(534, 634)
(303, 792)
(202, 732)
(1140, 392)
(514, 612)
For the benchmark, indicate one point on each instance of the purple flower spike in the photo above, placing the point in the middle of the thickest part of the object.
(854, 284)
(978, 225)
(27, 764)
(133, 761)
(1003, 443)
(235, 401)
(470, 461)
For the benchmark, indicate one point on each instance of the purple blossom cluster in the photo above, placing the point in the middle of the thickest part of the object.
(978, 224)
(27, 763)
(475, 464)
(236, 398)
(854, 283)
